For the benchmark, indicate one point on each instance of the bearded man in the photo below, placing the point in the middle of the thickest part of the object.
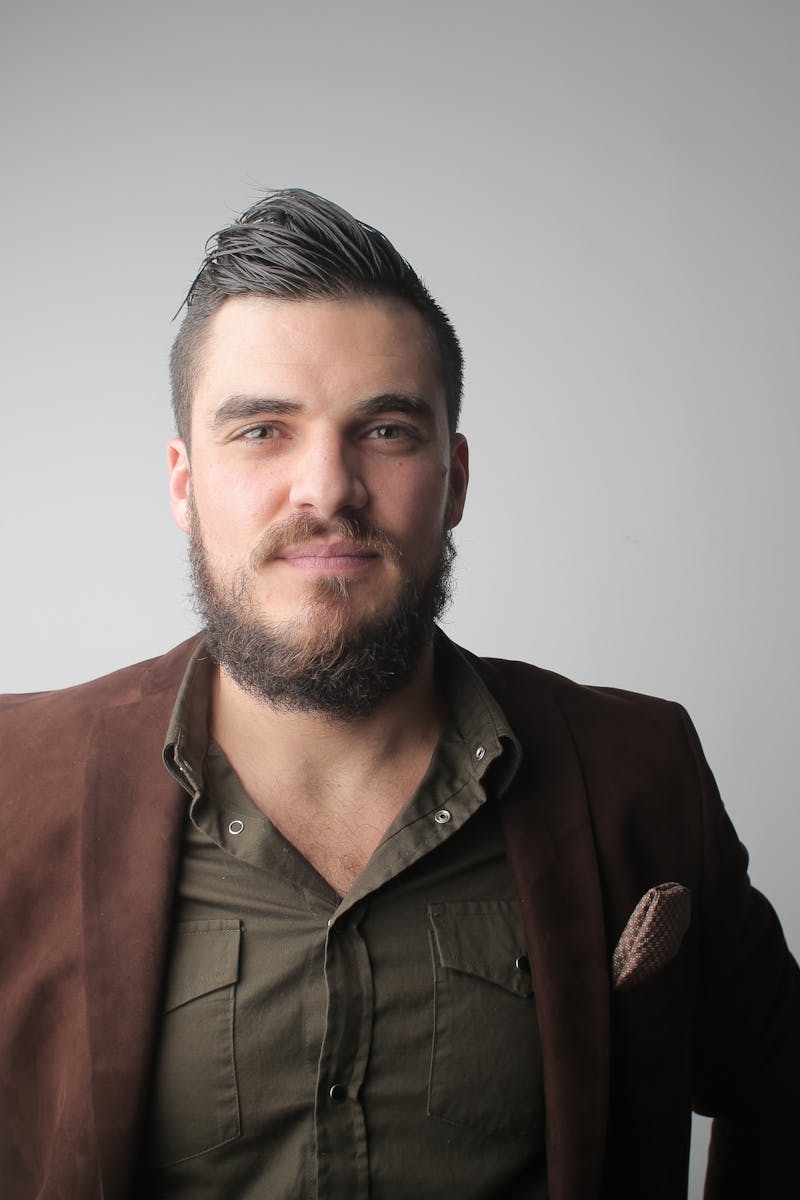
(319, 905)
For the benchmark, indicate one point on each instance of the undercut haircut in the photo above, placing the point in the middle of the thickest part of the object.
(295, 245)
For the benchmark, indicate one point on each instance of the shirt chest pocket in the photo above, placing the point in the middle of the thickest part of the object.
(486, 1061)
(195, 1102)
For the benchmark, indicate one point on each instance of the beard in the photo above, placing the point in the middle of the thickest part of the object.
(324, 661)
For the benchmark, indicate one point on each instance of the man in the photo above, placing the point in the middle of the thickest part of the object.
(318, 905)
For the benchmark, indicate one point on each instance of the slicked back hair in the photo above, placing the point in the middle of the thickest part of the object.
(295, 245)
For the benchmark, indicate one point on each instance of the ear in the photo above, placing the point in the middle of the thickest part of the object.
(179, 482)
(459, 479)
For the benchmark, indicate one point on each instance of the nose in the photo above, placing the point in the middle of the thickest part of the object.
(327, 479)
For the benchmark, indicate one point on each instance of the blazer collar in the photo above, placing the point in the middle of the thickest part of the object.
(553, 862)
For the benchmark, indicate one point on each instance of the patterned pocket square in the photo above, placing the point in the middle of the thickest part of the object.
(653, 934)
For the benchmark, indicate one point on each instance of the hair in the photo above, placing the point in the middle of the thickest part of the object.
(295, 245)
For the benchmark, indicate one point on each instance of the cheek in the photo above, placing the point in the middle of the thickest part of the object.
(416, 505)
(233, 506)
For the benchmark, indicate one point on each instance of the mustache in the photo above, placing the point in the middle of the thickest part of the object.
(302, 528)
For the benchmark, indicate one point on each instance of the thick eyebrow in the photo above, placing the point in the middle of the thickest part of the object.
(243, 408)
(397, 402)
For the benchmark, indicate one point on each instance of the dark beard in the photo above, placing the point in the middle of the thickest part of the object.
(342, 672)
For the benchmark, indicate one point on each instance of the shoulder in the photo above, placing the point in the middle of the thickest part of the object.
(522, 684)
(615, 733)
(635, 761)
(28, 719)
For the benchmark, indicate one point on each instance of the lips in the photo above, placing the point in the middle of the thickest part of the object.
(303, 540)
(328, 556)
(327, 550)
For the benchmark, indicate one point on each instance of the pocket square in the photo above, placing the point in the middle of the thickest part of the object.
(653, 934)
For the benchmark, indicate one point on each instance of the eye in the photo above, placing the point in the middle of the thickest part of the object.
(259, 433)
(390, 433)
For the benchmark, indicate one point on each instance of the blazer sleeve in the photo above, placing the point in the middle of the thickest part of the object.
(747, 1032)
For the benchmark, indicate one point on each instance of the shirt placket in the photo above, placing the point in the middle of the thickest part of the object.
(341, 1141)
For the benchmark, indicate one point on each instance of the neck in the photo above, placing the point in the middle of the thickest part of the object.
(331, 787)
(254, 734)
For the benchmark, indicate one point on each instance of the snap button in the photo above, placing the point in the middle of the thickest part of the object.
(236, 826)
(522, 963)
(480, 752)
(338, 1093)
(442, 816)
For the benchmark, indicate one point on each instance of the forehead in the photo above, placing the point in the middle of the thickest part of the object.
(317, 352)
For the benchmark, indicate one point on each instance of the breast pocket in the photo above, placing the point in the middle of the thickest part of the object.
(486, 1062)
(195, 1102)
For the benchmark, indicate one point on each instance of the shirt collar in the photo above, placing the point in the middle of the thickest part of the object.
(186, 742)
(473, 713)
(478, 718)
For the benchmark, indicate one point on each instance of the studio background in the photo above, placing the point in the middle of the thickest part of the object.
(603, 196)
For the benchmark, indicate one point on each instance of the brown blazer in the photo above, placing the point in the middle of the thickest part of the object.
(614, 799)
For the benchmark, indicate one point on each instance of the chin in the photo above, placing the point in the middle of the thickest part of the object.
(337, 647)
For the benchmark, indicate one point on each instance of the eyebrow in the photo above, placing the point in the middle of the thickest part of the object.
(399, 402)
(238, 408)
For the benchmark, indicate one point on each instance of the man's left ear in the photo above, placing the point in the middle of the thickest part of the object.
(179, 482)
(459, 479)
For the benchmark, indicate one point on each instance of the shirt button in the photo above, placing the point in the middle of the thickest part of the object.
(442, 816)
(236, 827)
(480, 752)
(522, 963)
(338, 1093)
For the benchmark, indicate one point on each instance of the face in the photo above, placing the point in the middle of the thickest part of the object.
(322, 476)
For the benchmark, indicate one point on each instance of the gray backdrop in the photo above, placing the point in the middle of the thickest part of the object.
(604, 196)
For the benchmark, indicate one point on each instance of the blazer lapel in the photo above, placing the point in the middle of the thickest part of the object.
(552, 858)
(132, 824)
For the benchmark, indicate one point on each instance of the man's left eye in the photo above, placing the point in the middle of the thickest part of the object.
(386, 433)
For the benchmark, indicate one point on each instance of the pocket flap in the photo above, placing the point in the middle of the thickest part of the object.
(483, 938)
(204, 956)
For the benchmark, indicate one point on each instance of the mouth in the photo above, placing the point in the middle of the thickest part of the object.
(334, 558)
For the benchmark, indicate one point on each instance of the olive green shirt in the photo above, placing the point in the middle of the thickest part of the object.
(374, 1046)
